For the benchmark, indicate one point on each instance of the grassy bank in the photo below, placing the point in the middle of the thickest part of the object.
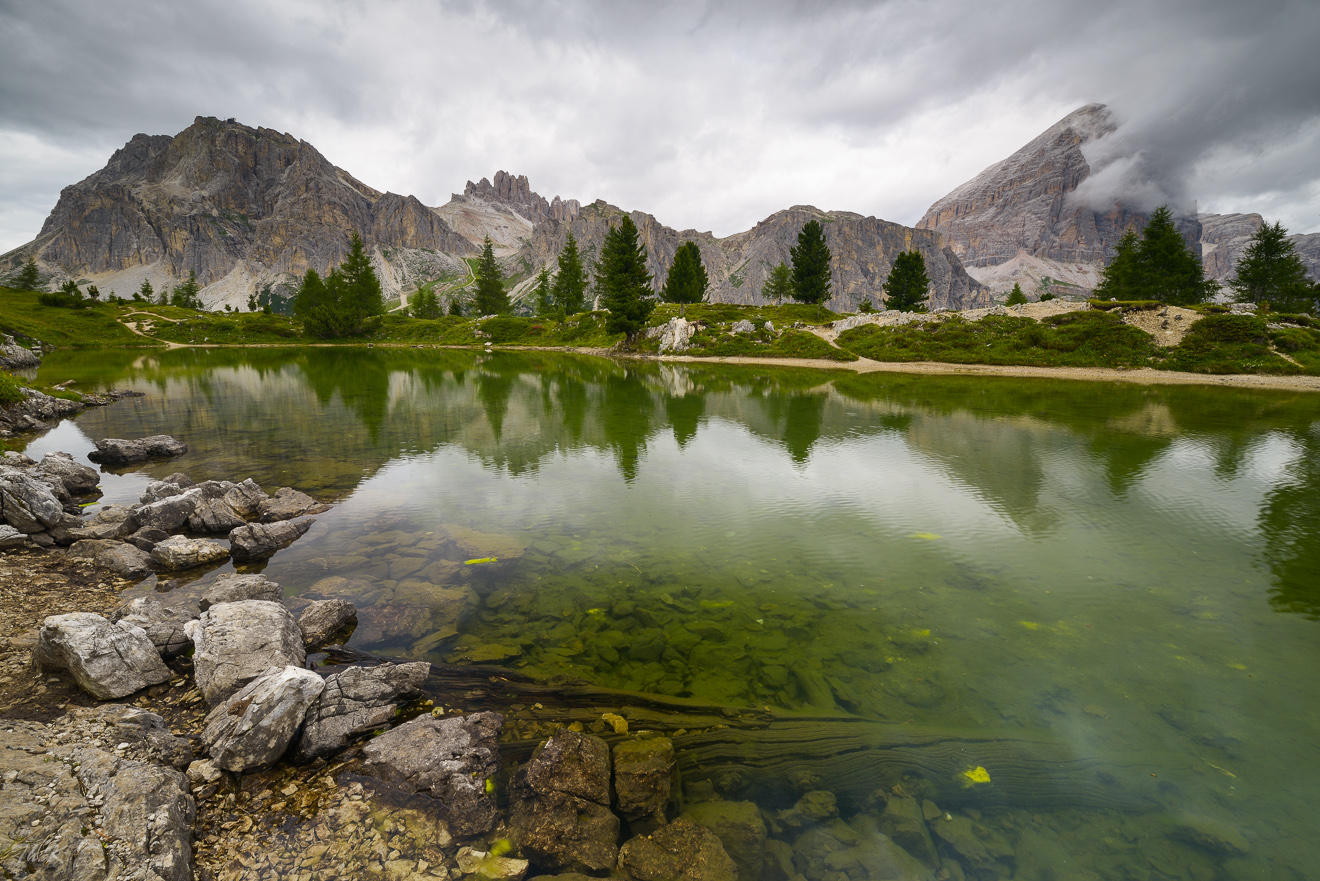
(1217, 343)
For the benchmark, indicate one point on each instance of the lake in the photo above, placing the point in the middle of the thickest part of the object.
(1078, 619)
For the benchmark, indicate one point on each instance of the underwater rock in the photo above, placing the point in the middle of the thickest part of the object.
(180, 552)
(164, 625)
(811, 809)
(236, 642)
(355, 701)
(489, 867)
(559, 802)
(286, 504)
(233, 587)
(574, 763)
(739, 827)
(257, 541)
(1212, 836)
(117, 451)
(106, 660)
(904, 823)
(251, 729)
(681, 851)
(976, 847)
(643, 777)
(454, 761)
(322, 619)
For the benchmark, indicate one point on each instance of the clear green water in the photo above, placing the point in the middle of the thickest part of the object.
(1129, 572)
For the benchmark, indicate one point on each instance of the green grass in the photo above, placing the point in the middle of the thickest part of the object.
(1071, 339)
(239, 328)
(22, 316)
(718, 343)
(11, 391)
(728, 313)
(1225, 343)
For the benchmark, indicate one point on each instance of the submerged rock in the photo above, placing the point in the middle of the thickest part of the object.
(355, 701)
(286, 504)
(454, 761)
(233, 587)
(252, 728)
(739, 827)
(322, 619)
(559, 805)
(644, 777)
(106, 660)
(117, 451)
(681, 851)
(236, 642)
(574, 763)
(260, 540)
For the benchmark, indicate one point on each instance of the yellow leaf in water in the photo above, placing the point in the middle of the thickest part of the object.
(928, 536)
(1238, 666)
(976, 775)
(480, 560)
(1030, 625)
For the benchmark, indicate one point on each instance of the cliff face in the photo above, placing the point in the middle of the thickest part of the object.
(863, 251)
(1020, 220)
(243, 207)
(1225, 236)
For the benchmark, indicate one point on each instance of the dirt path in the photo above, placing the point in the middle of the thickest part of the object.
(133, 326)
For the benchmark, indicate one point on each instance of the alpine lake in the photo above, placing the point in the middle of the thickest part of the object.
(1078, 622)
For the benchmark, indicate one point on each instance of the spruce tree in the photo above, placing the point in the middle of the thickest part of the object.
(1122, 277)
(490, 298)
(27, 279)
(907, 284)
(312, 305)
(544, 294)
(185, 295)
(779, 284)
(146, 292)
(455, 306)
(570, 291)
(425, 304)
(687, 281)
(1015, 296)
(1170, 271)
(1269, 271)
(360, 296)
(811, 265)
(622, 281)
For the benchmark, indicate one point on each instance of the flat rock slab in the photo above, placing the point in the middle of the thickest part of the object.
(681, 851)
(233, 588)
(106, 660)
(454, 761)
(322, 619)
(252, 729)
(117, 451)
(180, 552)
(256, 541)
(236, 642)
(117, 556)
(286, 504)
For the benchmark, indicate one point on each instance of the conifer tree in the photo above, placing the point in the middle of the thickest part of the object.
(1169, 270)
(544, 294)
(28, 278)
(570, 291)
(425, 304)
(779, 284)
(687, 281)
(811, 265)
(360, 296)
(1015, 296)
(185, 295)
(312, 305)
(1269, 271)
(623, 284)
(490, 297)
(1122, 277)
(455, 305)
(907, 284)
(146, 292)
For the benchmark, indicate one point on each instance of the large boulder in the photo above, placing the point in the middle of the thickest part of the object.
(170, 513)
(120, 558)
(76, 478)
(11, 537)
(355, 701)
(643, 777)
(560, 815)
(107, 660)
(114, 522)
(213, 513)
(26, 503)
(15, 357)
(681, 851)
(166, 487)
(245, 499)
(322, 619)
(254, 726)
(181, 552)
(288, 503)
(454, 761)
(233, 587)
(740, 828)
(236, 642)
(256, 541)
(164, 625)
(117, 451)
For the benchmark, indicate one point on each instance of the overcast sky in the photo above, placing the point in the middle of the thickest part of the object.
(709, 115)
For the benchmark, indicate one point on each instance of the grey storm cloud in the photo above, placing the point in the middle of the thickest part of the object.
(709, 115)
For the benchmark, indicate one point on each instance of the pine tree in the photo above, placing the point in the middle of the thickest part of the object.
(455, 305)
(146, 292)
(360, 297)
(1269, 271)
(907, 284)
(779, 284)
(425, 304)
(1015, 296)
(570, 290)
(687, 281)
(811, 265)
(185, 295)
(27, 279)
(1121, 278)
(544, 294)
(490, 298)
(623, 284)
(312, 305)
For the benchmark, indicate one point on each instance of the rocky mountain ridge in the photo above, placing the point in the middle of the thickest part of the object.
(252, 209)
(1225, 236)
